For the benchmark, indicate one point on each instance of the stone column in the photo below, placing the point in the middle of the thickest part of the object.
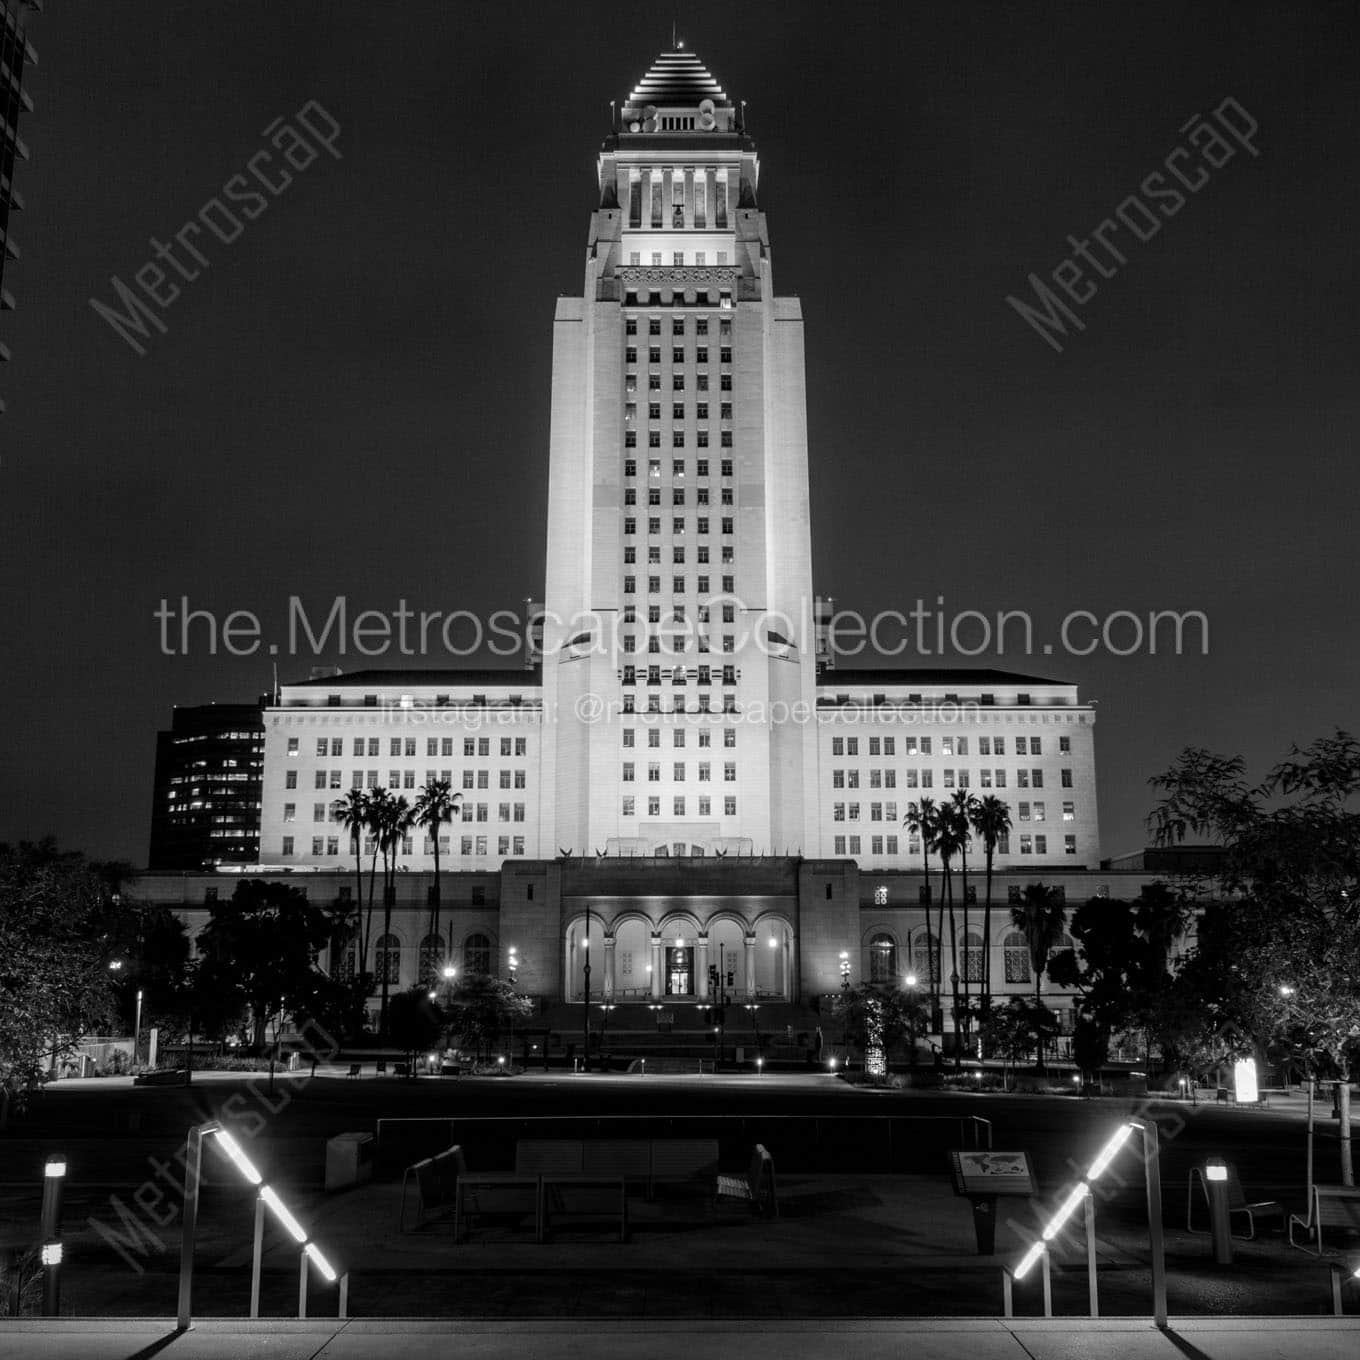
(608, 967)
(751, 967)
(701, 955)
(656, 967)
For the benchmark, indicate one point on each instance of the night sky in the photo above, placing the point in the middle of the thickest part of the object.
(353, 397)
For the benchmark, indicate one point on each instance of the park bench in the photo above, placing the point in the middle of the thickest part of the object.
(354, 1069)
(380, 1067)
(756, 1185)
(436, 1180)
(581, 1194)
(648, 1162)
(1331, 1206)
(1237, 1202)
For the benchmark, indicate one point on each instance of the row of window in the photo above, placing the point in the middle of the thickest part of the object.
(678, 804)
(329, 846)
(406, 746)
(726, 497)
(949, 746)
(701, 525)
(1030, 844)
(926, 957)
(432, 955)
(678, 738)
(630, 383)
(699, 703)
(702, 468)
(950, 778)
(630, 587)
(678, 771)
(654, 324)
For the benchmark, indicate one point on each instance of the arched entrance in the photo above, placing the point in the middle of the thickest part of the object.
(582, 954)
(773, 961)
(680, 960)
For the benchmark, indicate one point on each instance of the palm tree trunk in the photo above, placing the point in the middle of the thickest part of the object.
(1038, 1002)
(987, 941)
(389, 891)
(963, 871)
(953, 965)
(435, 930)
(938, 980)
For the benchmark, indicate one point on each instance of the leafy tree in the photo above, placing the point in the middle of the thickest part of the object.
(991, 821)
(1019, 1028)
(415, 1024)
(1292, 855)
(436, 807)
(1122, 970)
(880, 1018)
(1041, 918)
(483, 1007)
(260, 948)
(60, 921)
(1090, 1047)
(152, 944)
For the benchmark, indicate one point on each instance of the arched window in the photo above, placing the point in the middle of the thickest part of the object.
(388, 960)
(925, 958)
(431, 959)
(973, 957)
(882, 959)
(476, 954)
(1017, 958)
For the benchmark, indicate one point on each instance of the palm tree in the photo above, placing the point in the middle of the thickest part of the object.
(397, 820)
(920, 821)
(351, 812)
(435, 807)
(950, 835)
(1042, 918)
(964, 806)
(379, 802)
(991, 821)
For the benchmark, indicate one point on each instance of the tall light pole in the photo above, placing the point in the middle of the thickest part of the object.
(585, 996)
(137, 1027)
(845, 992)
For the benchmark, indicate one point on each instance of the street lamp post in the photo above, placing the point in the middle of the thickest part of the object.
(137, 1027)
(909, 982)
(845, 992)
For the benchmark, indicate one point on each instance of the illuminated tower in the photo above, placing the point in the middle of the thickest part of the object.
(679, 575)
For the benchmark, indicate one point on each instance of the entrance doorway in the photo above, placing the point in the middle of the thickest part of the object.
(679, 970)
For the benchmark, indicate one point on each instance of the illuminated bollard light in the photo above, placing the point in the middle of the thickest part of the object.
(54, 1183)
(1216, 1186)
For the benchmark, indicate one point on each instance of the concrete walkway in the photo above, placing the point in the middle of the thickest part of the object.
(889, 1339)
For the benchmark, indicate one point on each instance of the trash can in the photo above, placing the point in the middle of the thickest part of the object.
(349, 1160)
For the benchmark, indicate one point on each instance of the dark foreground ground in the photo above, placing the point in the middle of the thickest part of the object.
(870, 1226)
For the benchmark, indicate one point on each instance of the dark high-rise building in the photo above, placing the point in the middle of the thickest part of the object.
(16, 52)
(206, 804)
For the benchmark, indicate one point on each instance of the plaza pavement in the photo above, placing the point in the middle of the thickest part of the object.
(888, 1339)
